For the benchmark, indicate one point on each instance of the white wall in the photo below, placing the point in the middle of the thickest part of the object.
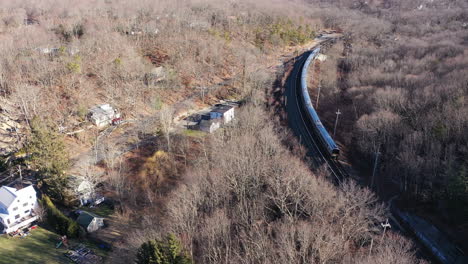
(228, 115)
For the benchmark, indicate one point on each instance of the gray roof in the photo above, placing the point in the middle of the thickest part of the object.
(222, 108)
(7, 196)
(86, 218)
(208, 123)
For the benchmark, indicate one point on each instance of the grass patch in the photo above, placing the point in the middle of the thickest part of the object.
(194, 133)
(39, 247)
(103, 210)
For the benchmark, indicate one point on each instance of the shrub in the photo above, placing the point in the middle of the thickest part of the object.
(74, 67)
(61, 223)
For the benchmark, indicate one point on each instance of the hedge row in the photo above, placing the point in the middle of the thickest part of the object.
(61, 223)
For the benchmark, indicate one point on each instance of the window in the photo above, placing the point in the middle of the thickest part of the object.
(16, 208)
(26, 212)
(17, 216)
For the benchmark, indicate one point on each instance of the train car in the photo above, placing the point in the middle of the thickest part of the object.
(322, 133)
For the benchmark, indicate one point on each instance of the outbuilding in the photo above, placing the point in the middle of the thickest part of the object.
(90, 221)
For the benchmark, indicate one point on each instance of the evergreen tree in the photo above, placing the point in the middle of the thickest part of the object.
(47, 154)
(167, 251)
(145, 252)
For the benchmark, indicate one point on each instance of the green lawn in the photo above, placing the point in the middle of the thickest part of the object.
(103, 210)
(194, 133)
(34, 249)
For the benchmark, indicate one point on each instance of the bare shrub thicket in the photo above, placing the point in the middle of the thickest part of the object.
(248, 200)
(59, 57)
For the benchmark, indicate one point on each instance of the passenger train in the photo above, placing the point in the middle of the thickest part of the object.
(312, 117)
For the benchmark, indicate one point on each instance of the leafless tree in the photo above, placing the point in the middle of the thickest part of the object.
(166, 121)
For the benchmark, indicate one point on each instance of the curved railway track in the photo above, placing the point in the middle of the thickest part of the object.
(303, 128)
(301, 124)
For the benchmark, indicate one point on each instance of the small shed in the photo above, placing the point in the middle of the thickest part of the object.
(90, 221)
(102, 115)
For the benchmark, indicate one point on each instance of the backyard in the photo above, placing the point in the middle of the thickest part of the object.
(38, 247)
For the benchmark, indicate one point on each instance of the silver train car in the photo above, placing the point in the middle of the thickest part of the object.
(321, 131)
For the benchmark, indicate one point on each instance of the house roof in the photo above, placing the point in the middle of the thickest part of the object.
(222, 108)
(3, 216)
(208, 123)
(86, 218)
(104, 111)
(8, 195)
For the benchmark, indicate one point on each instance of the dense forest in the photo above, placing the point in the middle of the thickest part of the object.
(402, 86)
(246, 193)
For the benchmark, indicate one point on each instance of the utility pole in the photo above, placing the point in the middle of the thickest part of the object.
(387, 224)
(318, 96)
(203, 94)
(338, 113)
(20, 175)
(374, 171)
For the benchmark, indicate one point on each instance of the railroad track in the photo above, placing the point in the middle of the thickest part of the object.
(301, 124)
(303, 127)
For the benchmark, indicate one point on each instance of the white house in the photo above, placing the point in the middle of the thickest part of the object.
(102, 115)
(17, 207)
(225, 112)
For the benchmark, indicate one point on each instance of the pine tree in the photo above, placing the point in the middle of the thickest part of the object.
(144, 253)
(47, 154)
(167, 251)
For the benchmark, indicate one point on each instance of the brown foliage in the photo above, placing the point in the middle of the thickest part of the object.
(250, 201)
